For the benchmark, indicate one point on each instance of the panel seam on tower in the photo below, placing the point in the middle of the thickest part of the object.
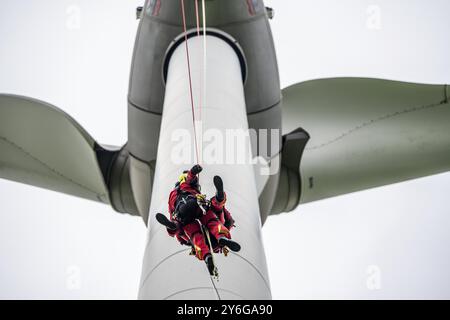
(142, 108)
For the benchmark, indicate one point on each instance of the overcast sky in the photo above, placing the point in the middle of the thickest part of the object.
(389, 242)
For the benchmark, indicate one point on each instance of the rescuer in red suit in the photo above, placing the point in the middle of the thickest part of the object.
(186, 217)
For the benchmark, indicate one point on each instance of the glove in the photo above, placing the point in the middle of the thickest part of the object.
(230, 223)
(196, 169)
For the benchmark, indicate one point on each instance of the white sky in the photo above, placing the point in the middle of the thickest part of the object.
(57, 246)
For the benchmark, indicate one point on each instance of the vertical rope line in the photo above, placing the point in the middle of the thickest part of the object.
(206, 232)
(204, 57)
(203, 86)
(200, 91)
(215, 288)
(183, 13)
(197, 17)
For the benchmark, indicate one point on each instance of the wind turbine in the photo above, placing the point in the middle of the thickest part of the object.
(334, 136)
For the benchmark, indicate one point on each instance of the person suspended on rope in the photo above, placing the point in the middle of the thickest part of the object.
(189, 210)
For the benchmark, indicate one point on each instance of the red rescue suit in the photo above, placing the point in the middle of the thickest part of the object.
(217, 219)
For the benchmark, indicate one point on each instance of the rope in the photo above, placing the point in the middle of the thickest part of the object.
(201, 83)
(202, 96)
(197, 18)
(203, 78)
(183, 13)
(215, 288)
(206, 231)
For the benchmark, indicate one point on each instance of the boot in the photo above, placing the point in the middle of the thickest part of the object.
(162, 219)
(218, 183)
(232, 245)
(210, 264)
(196, 169)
